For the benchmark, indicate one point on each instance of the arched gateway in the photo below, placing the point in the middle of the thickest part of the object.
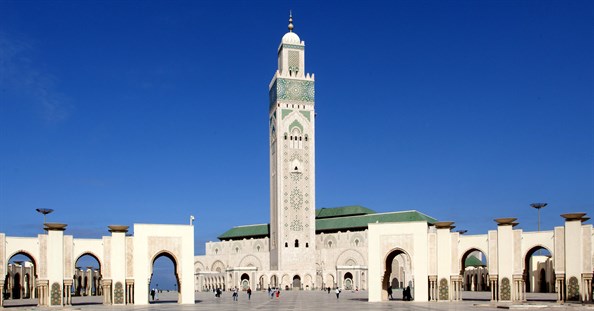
(125, 263)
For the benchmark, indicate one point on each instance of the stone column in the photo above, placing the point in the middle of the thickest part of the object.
(587, 286)
(55, 263)
(560, 284)
(494, 287)
(573, 255)
(1, 292)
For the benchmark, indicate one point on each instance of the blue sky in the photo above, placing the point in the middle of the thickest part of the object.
(123, 112)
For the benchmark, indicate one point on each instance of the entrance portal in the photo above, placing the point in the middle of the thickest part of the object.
(164, 279)
(397, 266)
(296, 282)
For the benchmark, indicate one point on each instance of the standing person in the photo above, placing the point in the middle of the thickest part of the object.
(249, 292)
(328, 289)
(390, 292)
(337, 293)
(153, 294)
(235, 293)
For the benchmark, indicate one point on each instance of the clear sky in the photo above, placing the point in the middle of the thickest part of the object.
(123, 112)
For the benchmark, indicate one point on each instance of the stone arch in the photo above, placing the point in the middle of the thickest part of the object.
(357, 240)
(258, 247)
(307, 282)
(176, 267)
(218, 265)
(330, 242)
(236, 248)
(350, 255)
(467, 253)
(285, 280)
(89, 253)
(198, 266)
(34, 261)
(250, 259)
(387, 268)
(526, 264)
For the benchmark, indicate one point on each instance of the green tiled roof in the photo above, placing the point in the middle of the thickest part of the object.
(341, 222)
(472, 261)
(249, 231)
(361, 222)
(342, 211)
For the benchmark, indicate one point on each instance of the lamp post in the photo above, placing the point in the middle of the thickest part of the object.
(538, 206)
(44, 211)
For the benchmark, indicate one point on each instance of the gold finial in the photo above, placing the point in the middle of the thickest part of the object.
(290, 21)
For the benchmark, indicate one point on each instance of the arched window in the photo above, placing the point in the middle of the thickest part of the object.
(329, 244)
(296, 243)
(258, 248)
(286, 244)
(237, 249)
(357, 242)
(305, 137)
(306, 245)
(286, 136)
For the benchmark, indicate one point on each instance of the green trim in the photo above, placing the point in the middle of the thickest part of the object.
(285, 112)
(293, 46)
(295, 124)
(305, 114)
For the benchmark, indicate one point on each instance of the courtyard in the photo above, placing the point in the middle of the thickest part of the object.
(308, 300)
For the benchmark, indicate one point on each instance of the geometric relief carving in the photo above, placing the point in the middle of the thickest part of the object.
(296, 225)
(296, 199)
(56, 294)
(505, 289)
(443, 289)
(118, 294)
(573, 289)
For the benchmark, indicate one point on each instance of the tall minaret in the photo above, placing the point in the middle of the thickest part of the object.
(292, 160)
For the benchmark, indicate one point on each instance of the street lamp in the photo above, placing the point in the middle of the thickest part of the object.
(538, 206)
(44, 211)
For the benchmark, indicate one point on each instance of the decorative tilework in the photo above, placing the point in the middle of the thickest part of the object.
(56, 294)
(443, 289)
(118, 294)
(305, 114)
(293, 46)
(505, 290)
(573, 289)
(295, 124)
(297, 90)
(285, 112)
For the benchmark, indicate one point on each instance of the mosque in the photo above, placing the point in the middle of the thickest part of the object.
(353, 247)
(305, 247)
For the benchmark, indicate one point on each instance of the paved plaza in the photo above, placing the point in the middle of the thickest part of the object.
(302, 300)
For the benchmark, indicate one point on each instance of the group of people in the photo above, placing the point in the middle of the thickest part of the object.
(235, 293)
(273, 292)
(154, 294)
(406, 296)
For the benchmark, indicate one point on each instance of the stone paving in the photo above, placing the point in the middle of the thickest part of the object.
(298, 300)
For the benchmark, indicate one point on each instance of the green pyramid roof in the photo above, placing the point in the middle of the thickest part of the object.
(353, 218)
(472, 261)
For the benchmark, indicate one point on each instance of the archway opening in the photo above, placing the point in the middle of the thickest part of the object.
(348, 281)
(19, 282)
(475, 276)
(245, 281)
(87, 280)
(398, 271)
(273, 281)
(539, 274)
(164, 285)
(296, 282)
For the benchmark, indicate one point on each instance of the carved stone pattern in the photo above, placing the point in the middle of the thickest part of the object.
(296, 225)
(293, 46)
(443, 290)
(573, 289)
(294, 60)
(296, 199)
(56, 294)
(118, 293)
(505, 289)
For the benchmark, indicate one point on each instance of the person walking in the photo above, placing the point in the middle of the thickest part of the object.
(337, 293)
(249, 292)
(390, 292)
(235, 293)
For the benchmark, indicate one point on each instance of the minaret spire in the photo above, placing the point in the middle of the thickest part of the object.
(290, 21)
